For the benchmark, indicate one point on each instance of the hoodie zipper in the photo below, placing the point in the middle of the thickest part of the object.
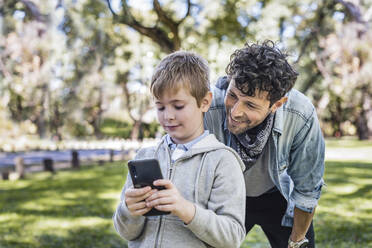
(172, 165)
(161, 217)
(158, 232)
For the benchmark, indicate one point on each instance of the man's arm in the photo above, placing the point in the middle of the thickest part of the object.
(301, 223)
(306, 163)
(306, 171)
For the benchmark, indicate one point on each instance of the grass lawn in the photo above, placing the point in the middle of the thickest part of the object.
(74, 208)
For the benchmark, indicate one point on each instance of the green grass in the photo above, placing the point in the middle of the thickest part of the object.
(74, 208)
(69, 209)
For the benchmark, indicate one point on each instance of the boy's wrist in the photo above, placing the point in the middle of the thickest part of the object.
(187, 213)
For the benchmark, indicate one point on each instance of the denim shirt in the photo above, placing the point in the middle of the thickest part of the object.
(296, 147)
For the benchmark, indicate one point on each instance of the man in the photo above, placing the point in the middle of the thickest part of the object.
(275, 130)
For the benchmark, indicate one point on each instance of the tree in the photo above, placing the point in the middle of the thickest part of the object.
(63, 63)
(165, 32)
(345, 64)
(26, 61)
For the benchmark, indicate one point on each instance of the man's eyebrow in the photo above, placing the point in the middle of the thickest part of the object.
(248, 102)
(252, 103)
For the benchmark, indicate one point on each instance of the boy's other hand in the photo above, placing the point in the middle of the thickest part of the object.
(134, 199)
(170, 200)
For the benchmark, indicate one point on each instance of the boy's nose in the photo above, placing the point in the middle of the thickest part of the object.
(169, 115)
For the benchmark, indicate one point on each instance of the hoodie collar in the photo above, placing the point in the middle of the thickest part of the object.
(186, 146)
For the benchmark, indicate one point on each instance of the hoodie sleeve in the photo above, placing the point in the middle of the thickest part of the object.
(222, 223)
(127, 226)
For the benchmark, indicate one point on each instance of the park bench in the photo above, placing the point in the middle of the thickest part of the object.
(48, 163)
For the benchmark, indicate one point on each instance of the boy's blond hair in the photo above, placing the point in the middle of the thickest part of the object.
(181, 69)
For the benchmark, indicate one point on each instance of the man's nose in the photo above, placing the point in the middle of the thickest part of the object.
(236, 110)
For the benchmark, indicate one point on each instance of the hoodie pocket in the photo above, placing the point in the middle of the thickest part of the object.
(175, 232)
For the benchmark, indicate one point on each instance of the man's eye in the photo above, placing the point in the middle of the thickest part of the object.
(250, 106)
(178, 107)
(232, 95)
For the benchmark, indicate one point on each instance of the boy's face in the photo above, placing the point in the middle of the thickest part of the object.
(180, 116)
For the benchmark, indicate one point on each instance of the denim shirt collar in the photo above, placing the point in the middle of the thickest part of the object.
(278, 122)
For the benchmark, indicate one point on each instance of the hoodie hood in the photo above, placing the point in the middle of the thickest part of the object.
(207, 144)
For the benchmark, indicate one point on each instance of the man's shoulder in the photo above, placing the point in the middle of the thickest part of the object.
(298, 104)
(219, 92)
(219, 152)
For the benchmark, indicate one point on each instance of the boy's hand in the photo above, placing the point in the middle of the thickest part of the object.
(170, 200)
(134, 198)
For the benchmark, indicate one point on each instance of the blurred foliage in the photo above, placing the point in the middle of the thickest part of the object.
(345, 64)
(115, 128)
(66, 66)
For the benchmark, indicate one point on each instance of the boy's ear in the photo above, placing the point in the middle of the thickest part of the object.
(206, 102)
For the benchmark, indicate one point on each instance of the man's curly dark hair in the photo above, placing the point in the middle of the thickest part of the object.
(263, 67)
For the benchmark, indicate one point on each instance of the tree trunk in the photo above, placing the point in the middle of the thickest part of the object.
(134, 134)
(336, 118)
(96, 128)
(55, 123)
(362, 126)
(41, 127)
(362, 119)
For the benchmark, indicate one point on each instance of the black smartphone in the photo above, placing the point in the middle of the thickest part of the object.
(143, 173)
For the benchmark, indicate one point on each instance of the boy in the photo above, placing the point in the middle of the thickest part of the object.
(203, 180)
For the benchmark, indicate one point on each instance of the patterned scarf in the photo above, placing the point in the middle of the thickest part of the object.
(249, 145)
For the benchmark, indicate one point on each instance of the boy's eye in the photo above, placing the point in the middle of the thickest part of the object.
(161, 108)
(178, 107)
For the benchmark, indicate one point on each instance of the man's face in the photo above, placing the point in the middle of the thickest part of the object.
(245, 112)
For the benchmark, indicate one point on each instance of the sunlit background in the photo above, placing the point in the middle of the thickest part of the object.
(74, 76)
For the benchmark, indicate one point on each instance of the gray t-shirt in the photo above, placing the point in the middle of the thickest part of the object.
(257, 178)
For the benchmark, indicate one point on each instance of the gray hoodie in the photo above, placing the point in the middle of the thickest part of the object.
(209, 175)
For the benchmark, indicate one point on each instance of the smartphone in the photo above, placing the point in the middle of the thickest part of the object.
(143, 173)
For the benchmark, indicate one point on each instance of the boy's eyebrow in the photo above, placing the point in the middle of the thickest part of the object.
(172, 101)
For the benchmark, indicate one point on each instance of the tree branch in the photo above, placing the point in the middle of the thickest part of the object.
(169, 22)
(189, 4)
(35, 12)
(356, 14)
(110, 8)
(353, 10)
(306, 42)
(59, 4)
(155, 33)
(163, 17)
(316, 29)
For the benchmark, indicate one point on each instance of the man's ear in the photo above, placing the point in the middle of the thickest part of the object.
(206, 102)
(278, 104)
